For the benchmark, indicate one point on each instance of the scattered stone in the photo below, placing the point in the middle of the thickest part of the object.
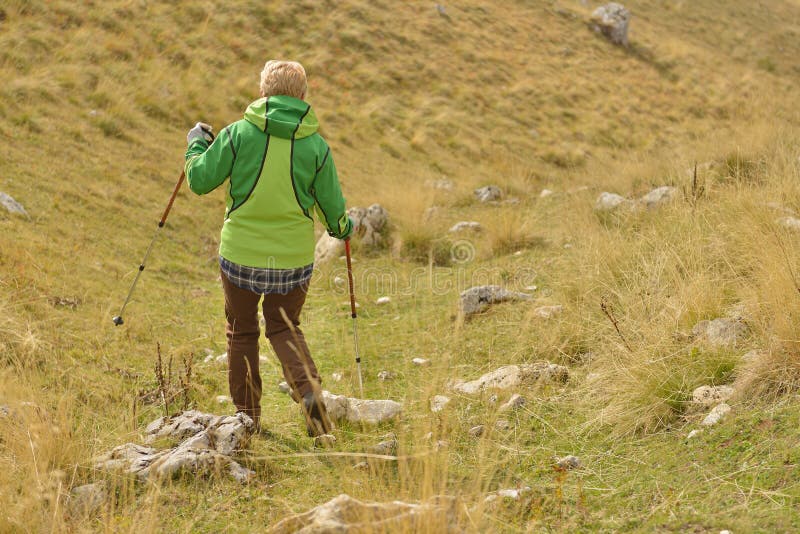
(716, 415)
(612, 21)
(339, 281)
(723, 331)
(511, 376)
(493, 398)
(515, 402)
(361, 466)
(512, 494)
(336, 377)
(466, 226)
(659, 196)
(222, 358)
(477, 299)
(488, 193)
(546, 193)
(694, 433)
(707, 396)
(568, 462)
(327, 249)
(86, 500)
(284, 387)
(502, 425)
(477, 431)
(386, 375)
(420, 362)
(790, 223)
(442, 184)
(262, 358)
(12, 206)
(325, 441)
(546, 312)
(207, 444)
(383, 300)
(222, 399)
(608, 202)
(359, 410)
(208, 359)
(439, 402)
(345, 514)
(387, 447)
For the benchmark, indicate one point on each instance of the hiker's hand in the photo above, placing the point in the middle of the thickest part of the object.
(201, 130)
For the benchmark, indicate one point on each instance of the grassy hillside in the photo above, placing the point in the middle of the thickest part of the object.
(94, 106)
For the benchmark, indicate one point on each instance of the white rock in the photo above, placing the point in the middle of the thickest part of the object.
(546, 193)
(327, 249)
(262, 358)
(387, 447)
(477, 431)
(420, 362)
(222, 358)
(208, 441)
(222, 399)
(488, 193)
(659, 196)
(383, 300)
(511, 376)
(515, 402)
(511, 493)
(368, 224)
(386, 375)
(716, 415)
(11, 205)
(546, 312)
(502, 424)
(360, 410)
(443, 184)
(336, 377)
(611, 201)
(612, 21)
(338, 281)
(477, 299)
(694, 433)
(439, 402)
(723, 331)
(284, 387)
(707, 396)
(208, 359)
(466, 226)
(345, 514)
(87, 499)
(790, 223)
(568, 462)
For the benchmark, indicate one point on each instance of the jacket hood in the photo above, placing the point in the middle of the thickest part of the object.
(283, 116)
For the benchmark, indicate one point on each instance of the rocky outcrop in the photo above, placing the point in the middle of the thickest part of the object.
(707, 396)
(478, 299)
(716, 415)
(369, 228)
(207, 445)
(488, 193)
(659, 196)
(511, 376)
(721, 332)
(612, 21)
(608, 202)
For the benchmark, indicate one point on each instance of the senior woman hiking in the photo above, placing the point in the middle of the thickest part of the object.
(279, 171)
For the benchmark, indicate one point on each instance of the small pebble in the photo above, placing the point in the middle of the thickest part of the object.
(383, 300)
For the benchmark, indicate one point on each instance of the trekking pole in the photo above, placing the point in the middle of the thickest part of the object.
(118, 318)
(353, 313)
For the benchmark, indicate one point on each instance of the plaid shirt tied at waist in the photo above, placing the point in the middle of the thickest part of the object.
(265, 281)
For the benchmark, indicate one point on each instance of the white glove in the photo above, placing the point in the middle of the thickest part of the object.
(201, 130)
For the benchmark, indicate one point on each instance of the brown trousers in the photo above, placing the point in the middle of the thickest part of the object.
(288, 342)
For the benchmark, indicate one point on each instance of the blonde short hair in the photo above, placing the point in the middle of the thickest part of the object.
(283, 78)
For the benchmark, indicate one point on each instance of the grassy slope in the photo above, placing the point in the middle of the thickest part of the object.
(93, 115)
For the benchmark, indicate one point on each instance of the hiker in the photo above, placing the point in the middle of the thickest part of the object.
(280, 170)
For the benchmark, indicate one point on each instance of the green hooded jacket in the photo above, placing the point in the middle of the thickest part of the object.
(280, 170)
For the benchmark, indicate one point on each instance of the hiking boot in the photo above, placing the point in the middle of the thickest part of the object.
(317, 420)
